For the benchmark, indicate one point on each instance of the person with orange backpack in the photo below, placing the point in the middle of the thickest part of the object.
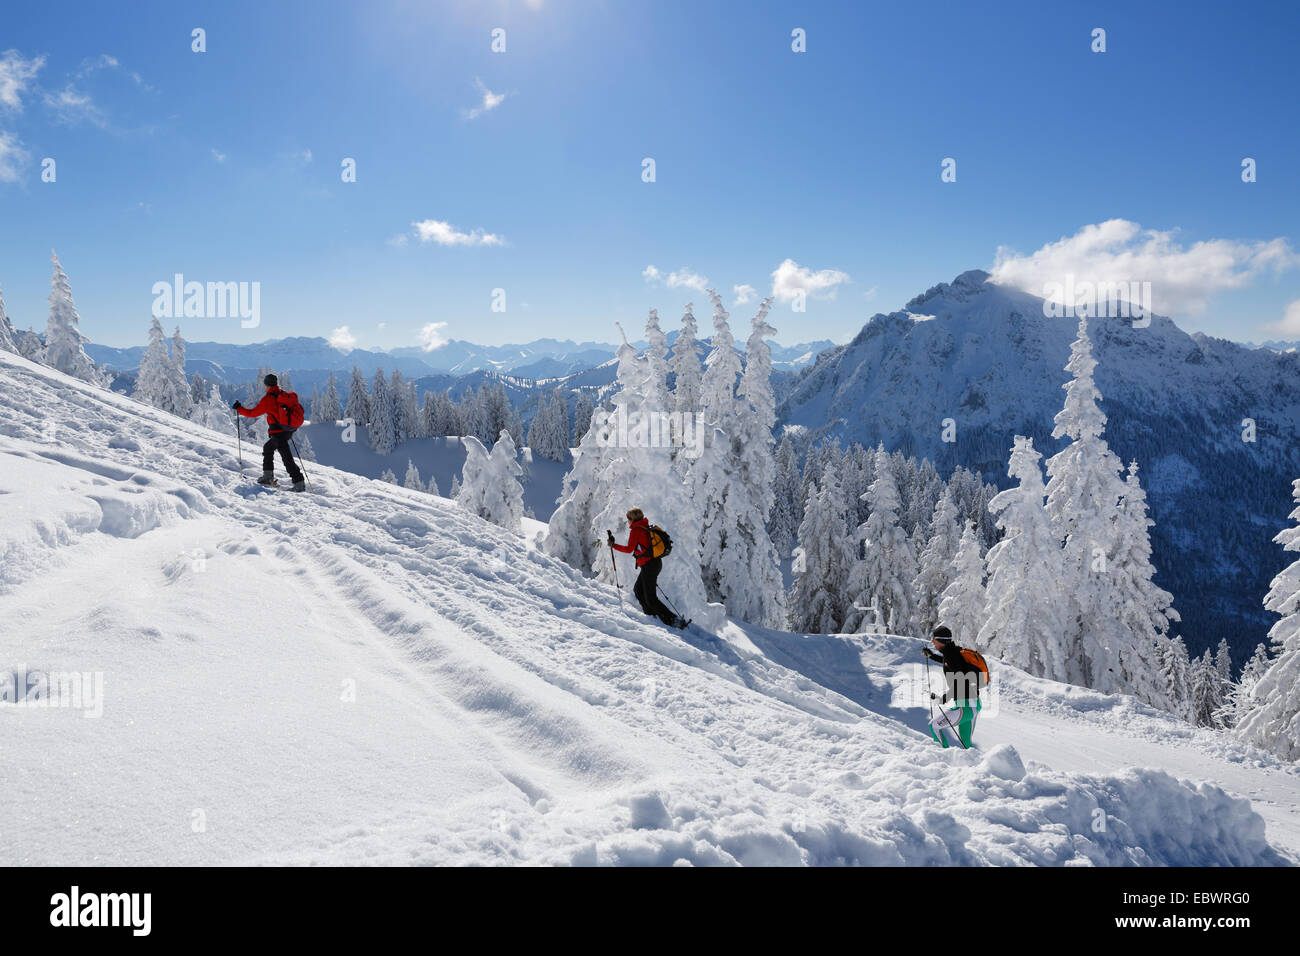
(965, 672)
(648, 544)
(284, 415)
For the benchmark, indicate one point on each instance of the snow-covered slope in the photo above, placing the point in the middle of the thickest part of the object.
(369, 675)
(986, 357)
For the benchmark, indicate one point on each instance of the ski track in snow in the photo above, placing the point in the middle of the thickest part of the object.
(506, 709)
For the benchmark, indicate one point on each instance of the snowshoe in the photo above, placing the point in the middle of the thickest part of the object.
(267, 479)
(299, 486)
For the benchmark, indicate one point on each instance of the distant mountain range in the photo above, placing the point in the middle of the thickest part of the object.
(987, 357)
(541, 359)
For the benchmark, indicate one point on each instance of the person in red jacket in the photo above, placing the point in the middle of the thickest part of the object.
(646, 588)
(277, 421)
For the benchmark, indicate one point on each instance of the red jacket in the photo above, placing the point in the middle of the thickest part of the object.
(277, 416)
(638, 542)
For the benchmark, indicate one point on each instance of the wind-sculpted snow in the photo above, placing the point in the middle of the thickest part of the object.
(369, 675)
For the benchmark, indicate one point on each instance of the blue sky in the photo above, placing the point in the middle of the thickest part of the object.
(225, 165)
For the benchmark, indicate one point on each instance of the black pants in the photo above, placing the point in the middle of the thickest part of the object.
(280, 441)
(646, 590)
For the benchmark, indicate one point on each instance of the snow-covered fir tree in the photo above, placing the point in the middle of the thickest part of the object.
(961, 605)
(199, 389)
(397, 395)
(305, 450)
(936, 563)
(732, 482)
(1084, 491)
(1022, 617)
(358, 409)
(64, 343)
(1240, 696)
(823, 560)
(454, 492)
(412, 479)
(489, 485)
(882, 576)
(153, 380)
(504, 498)
(383, 424)
(213, 412)
(329, 410)
(1272, 721)
(1176, 675)
(548, 436)
(1209, 692)
(685, 363)
(783, 525)
(388, 476)
(722, 371)
(179, 386)
(7, 341)
(432, 486)
(1144, 610)
(656, 358)
(582, 410)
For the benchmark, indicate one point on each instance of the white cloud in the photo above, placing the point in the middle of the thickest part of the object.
(381, 326)
(15, 72)
(489, 102)
(219, 157)
(445, 234)
(343, 339)
(1289, 325)
(744, 293)
(70, 105)
(398, 240)
(12, 157)
(431, 336)
(789, 278)
(303, 155)
(1183, 278)
(102, 62)
(682, 278)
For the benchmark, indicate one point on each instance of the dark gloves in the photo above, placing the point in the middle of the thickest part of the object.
(609, 536)
(934, 696)
(237, 405)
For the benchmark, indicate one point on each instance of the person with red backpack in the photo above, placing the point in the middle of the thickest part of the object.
(647, 544)
(284, 415)
(964, 673)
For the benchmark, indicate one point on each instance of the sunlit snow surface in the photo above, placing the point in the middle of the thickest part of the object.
(367, 674)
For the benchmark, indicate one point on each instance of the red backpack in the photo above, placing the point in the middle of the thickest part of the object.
(292, 414)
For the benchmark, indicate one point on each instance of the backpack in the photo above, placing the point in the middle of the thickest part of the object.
(661, 543)
(292, 411)
(976, 660)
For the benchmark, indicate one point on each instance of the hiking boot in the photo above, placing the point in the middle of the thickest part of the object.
(268, 478)
(299, 486)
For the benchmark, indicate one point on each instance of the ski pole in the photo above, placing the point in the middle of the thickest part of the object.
(239, 444)
(613, 564)
(293, 441)
(670, 604)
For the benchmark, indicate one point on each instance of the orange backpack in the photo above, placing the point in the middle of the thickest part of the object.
(976, 660)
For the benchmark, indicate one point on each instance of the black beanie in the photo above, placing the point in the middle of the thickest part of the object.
(270, 380)
(941, 633)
